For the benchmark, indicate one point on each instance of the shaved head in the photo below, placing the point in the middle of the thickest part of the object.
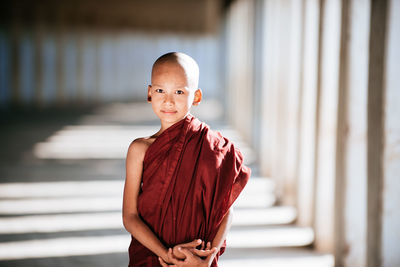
(187, 63)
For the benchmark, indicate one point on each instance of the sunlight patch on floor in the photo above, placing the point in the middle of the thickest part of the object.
(60, 223)
(258, 193)
(268, 216)
(72, 246)
(109, 142)
(277, 237)
(62, 247)
(58, 205)
(61, 189)
(298, 261)
(91, 142)
(285, 236)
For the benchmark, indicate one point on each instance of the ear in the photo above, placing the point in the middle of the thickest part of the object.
(149, 93)
(198, 95)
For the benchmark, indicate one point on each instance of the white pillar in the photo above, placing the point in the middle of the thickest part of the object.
(38, 57)
(15, 58)
(60, 49)
(391, 155)
(353, 248)
(240, 66)
(308, 97)
(290, 74)
(269, 146)
(267, 107)
(376, 115)
(327, 126)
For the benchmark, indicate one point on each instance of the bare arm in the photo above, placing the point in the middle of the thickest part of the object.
(132, 222)
(223, 229)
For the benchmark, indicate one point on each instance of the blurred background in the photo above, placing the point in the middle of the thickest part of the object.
(308, 89)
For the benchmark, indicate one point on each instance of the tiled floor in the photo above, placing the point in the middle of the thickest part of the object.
(61, 195)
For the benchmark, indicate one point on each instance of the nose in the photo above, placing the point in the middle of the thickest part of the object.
(169, 99)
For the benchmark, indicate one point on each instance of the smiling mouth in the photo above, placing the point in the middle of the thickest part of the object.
(168, 112)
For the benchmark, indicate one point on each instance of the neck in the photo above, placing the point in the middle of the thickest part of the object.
(166, 125)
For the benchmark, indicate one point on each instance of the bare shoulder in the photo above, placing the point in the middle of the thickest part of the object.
(139, 146)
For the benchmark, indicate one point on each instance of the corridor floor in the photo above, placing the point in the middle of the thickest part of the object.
(61, 181)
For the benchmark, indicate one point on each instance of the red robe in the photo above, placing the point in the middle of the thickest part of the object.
(191, 177)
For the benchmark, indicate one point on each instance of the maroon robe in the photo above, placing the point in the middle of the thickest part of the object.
(191, 177)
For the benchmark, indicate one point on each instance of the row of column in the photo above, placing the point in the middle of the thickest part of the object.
(53, 66)
(327, 118)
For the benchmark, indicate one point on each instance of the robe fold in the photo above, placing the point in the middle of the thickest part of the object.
(191, 177)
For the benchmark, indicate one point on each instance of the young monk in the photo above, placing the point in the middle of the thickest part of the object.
(182, 181)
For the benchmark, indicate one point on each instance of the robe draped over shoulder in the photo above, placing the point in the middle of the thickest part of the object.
(191, 177)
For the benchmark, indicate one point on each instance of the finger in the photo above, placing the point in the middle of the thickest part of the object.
(175, 262)
(214, 252)
(171, 254)
(202, 245)
(201, 252)
(208, 245)
(162, 262)
(186, 252)
(172, 258)
(177, 254)
(192, 244)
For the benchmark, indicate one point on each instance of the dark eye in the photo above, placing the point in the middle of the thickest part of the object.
(159, 90)
(180, 92)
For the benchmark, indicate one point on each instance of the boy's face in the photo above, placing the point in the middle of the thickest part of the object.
(171, 93)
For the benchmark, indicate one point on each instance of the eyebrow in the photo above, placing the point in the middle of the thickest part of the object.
(178, 87)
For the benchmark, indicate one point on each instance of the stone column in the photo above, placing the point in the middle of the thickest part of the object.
(391, 136)
(240, 71)
(308, 98)
(258, 73)
(341, 139)
(269, 94)
(352, 224)
(265, 151)
(39, 33)
(96, 89)
(81, 33)
(60, 47)
(376, 133)
(327, 125)
(290, 75)
(15, 57)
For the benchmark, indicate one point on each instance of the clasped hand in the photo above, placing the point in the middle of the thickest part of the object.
(187, 255)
